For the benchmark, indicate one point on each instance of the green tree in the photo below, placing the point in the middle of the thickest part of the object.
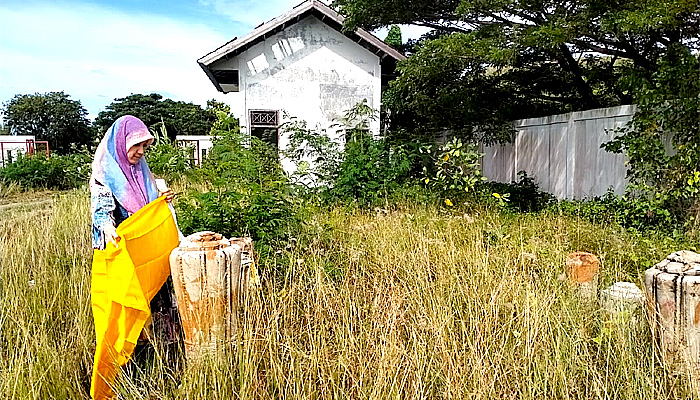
(662, 143)
(393, 38)
(179, 117)
(225, 121)
(51, 116)
(491, 61)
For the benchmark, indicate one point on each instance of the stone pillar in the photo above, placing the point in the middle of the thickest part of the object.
(673, 290)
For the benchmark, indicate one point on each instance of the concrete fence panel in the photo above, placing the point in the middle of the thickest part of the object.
(562, 153)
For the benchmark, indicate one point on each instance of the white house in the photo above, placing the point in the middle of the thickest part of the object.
(11, 146)
(301, 64)
(200, 145)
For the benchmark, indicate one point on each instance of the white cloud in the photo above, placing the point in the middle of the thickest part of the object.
(249, 12)
(95, 54)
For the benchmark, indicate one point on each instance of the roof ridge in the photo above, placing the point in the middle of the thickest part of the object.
(307, 5)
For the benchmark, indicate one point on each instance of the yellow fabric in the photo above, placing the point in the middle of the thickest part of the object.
(124, 281)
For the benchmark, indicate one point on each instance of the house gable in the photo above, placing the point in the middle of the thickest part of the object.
(226, 80)
(309, 70)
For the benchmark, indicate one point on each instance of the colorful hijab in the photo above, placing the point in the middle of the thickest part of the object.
(131, 185)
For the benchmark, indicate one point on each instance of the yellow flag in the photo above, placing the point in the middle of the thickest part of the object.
(124, 281)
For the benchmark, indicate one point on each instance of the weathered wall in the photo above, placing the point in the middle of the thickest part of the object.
(309, 70)
(562, 152)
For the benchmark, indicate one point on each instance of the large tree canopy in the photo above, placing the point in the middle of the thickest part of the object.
(52, 116)
(492, 60)
(180, 118)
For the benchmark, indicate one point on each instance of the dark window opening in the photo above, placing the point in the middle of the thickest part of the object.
(357, 134)
(227, 76)
(267, 135)
(191, 147)
(227, 79)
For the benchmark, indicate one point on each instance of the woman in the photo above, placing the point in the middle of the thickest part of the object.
(121, 184)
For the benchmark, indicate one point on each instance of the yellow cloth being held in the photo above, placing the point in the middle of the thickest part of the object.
(124, 281)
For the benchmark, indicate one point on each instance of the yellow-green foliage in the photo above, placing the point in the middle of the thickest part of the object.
(414, 303)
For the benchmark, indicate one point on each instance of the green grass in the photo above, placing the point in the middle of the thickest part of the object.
(416, 303)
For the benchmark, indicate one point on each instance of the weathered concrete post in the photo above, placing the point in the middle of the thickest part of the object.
(623, 304)
(211, 277)
(582, 269)
(673, 290)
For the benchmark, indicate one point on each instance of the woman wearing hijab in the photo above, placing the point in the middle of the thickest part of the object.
(121, 184)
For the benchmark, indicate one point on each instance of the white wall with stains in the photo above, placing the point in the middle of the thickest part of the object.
(310, 71)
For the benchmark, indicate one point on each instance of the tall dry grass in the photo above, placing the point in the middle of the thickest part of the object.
(46, 333)
(416, 303)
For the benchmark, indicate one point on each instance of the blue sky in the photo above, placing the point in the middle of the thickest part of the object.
(96, 51)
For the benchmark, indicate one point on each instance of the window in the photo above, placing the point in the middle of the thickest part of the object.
(227, 79)
(266, 118)
(264, 124)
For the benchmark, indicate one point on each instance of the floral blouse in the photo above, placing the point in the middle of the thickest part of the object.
(105, 210)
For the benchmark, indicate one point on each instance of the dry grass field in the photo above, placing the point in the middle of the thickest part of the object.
(417, 302)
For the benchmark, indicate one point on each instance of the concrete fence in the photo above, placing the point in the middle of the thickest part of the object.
(562, 153)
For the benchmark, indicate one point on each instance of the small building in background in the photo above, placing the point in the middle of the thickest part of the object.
(303, 65)
(199, 145)
(11, 146)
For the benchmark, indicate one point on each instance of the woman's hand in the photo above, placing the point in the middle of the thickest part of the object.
(163, 189)
(168, 193)
(111, 235)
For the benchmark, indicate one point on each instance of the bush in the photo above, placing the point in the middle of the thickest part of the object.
(640, 213)
(662, 143)
(521, 196)
(454, 171)
(362, 170)
(369, 169)
(264, 213)
(168, 160)
(248, 193)
(55, 172)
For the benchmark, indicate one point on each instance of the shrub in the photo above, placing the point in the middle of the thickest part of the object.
(167, 159)
(641, 213)
(454, 171)
(522, 196)
(55, 172)
(248, 194)
(369, 169)
(315, 154)
(238, 159)
(362, 170)
(263, 213)
(662, 143)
